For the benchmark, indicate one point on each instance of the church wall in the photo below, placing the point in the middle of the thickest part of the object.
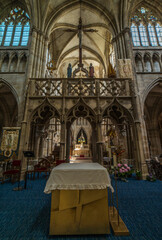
(145, 79)
(17, 80)
(148, 67)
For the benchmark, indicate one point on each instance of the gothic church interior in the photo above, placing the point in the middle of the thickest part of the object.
(80, 82)
(81, 79)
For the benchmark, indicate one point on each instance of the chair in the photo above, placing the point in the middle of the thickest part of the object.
(15, 171)
(58, 162)
(43, 166)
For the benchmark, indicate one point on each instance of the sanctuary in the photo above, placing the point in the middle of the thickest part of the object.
(81, 79)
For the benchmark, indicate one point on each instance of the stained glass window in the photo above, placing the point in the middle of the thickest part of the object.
(143, 35)
(15, 28)
(25, 35)
(135, 36)
(9, 34)
(149, 29)
(159, 33)
(2, 29)
(143, 10)
(17, 34)
(152, 35)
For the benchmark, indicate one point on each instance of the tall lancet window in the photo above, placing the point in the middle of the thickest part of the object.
(145, 28)
(152, 35)
(143, 35)
(135, 36)
(14, 29)
(159, 33)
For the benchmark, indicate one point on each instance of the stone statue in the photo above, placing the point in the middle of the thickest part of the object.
(91, 70)
(69, 71)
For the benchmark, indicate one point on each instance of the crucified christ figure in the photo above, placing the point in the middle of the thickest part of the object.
(79, 32)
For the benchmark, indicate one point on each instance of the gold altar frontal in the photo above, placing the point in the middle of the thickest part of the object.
(75, 212)
(82, 151)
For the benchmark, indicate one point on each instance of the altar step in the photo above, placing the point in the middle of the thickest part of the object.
(80, 159)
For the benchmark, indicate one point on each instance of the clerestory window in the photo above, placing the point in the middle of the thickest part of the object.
(146, 29)
(14, 29)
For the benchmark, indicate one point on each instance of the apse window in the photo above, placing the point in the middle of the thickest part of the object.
(14, 29)
(145, 28)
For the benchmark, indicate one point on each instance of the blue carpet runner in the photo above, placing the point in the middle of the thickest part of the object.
(24, 215)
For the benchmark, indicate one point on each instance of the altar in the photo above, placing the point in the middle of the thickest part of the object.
(82, 151)
(79, 201)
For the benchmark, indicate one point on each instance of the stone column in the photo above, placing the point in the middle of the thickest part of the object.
(39, 51)
(40, 154)
(99, 144)
(25, 128)
(68, 144)
(94, 145)
(43, 69)
(140, 157)
(32, 53)
(23, 146)
(62, 141)
(137, 111)
(36, 54)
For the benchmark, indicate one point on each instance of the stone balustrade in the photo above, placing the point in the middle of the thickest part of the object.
(63, 87)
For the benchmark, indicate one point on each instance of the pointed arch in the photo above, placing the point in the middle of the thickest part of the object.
(117, 112)
(81, 109)
(44, 112)
(149, 87)
(12, 89)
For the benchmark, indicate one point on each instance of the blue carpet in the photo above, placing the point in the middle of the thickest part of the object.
(24, 215)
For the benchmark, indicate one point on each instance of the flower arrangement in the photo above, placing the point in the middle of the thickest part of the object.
(123, 170)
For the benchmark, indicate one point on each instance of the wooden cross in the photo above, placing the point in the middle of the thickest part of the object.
(80, 30)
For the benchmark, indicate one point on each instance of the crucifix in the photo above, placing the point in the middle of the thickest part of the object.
(79, 32)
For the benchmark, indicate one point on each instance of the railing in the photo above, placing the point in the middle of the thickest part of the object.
(55, 87)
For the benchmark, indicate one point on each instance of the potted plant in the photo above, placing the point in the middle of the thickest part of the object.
(138, 175)
(151, 178)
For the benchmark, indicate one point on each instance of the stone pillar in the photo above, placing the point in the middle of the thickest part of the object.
(68, 144)
(94, 150)
(137, 111)
(36, 54)
(99, 144)
(44, 58)
(140, 157)
(23, 146)
(62, 141)
(128, 43)
(36, 145)
(38, 58)
(100, 152)
(31, 54)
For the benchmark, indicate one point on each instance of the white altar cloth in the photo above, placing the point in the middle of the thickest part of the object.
(78, 176)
